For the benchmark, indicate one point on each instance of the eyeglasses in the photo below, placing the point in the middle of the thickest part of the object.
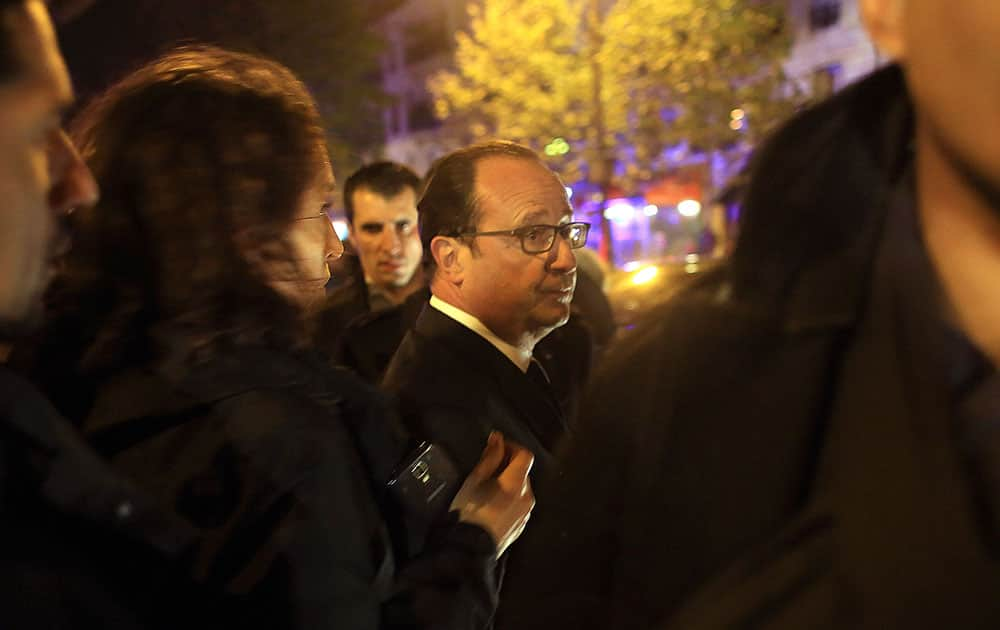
(322, 223)
(538, 239)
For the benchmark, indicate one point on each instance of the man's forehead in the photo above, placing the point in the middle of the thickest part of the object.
(520, 188)
(370, 206)
(42, 74)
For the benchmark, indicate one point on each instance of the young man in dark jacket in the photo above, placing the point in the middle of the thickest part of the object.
(814, 443)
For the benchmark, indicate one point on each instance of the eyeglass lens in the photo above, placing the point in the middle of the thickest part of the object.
(541, 238)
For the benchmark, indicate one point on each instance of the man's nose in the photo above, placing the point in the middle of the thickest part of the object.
(73, 185)
(392, 240)
(561, 256)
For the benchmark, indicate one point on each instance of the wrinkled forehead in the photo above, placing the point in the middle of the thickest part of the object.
(39, 79)
(519, 191)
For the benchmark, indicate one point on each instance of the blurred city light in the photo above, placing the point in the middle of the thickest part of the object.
(569, 192)
(644, 276)
(340, 227)
(650, 210)
(689, 208)
(558, 146)
(737, 114)
(620, 212)
(736, 125)
(631, 266)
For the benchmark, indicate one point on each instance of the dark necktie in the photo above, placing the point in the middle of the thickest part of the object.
(550, 425)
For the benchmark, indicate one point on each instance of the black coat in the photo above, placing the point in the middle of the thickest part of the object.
(454, 388)
(278, 464)
(82, 547)
(776, 452)
(369, 342)
(341, 306)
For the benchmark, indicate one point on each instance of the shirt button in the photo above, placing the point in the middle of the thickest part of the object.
(124, 510)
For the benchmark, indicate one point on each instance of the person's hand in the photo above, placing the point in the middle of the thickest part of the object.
(496, 497)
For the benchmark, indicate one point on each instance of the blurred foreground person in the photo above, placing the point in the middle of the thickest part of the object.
(817, 443)
(180, 317)
(80, 546)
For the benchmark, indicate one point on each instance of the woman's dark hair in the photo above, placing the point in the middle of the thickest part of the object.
(202, 158)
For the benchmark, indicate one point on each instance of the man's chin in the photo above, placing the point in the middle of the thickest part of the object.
(554, 317)
(397, 281)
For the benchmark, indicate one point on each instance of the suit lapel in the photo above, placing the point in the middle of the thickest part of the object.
(535, 407)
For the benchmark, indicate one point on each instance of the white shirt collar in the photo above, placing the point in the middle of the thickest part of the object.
(517, 356)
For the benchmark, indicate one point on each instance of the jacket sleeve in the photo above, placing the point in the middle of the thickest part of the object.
(451, 585)
(318, 554)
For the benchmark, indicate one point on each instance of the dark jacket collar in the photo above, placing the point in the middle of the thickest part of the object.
(147, 390)
(816, 204)
(537, 406)
(48, 457)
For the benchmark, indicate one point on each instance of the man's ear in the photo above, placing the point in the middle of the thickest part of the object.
(885, 22)
(445, 250)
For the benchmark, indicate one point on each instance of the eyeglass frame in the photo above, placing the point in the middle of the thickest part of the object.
(519, 233)
(324, 214)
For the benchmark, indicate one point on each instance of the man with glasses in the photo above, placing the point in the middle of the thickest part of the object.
(499, 227)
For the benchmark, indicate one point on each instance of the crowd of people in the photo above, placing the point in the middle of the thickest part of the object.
(200, 427)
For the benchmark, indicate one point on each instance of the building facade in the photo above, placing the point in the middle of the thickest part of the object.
(830, 46)
(420, 41)
(830, 50)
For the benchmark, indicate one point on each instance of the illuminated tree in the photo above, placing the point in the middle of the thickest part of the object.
(619, 80)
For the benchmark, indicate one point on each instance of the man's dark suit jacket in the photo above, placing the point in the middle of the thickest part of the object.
(454, 387)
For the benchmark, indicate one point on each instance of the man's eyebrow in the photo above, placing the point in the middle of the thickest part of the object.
(534, 215)
(371, 224)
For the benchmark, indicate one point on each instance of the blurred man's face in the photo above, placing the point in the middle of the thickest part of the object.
(951, 52)
(384, 233)
(515, 294)
(41, 175)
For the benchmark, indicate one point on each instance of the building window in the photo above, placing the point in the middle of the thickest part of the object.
(826, 80)
(823, 14)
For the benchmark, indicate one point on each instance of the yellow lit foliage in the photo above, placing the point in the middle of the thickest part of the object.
(523, 71)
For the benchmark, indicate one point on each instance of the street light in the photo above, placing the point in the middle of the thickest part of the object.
(689, 208)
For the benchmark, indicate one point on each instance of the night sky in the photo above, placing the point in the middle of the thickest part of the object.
(327, 43)
(114, 36)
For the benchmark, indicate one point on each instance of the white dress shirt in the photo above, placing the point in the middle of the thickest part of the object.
(520, 358)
